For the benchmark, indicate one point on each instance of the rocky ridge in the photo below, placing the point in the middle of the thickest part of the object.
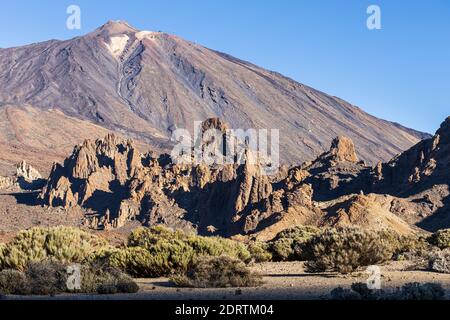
(116, 184)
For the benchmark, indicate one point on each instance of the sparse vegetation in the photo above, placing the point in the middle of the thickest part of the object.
(289, 244)
(218, 272)
(259, 251)
(45, 278)
(59, 244)
(12, 282)
(157, 252)
(346, 249)
(403, 246)
(439, 261)
(106, 280)
(50, 278)
(440, 239)
(156, 238)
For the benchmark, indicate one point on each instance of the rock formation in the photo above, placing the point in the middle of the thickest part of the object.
(25, 178)
(116, 184)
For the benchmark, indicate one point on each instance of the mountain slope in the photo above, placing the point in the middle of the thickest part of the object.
(41, 137)
(146, 84)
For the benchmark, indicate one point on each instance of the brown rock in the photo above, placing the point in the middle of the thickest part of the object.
(343, 149)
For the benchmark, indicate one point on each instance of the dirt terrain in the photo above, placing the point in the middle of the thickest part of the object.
(19, 211)
(283, 281)
(17, 214)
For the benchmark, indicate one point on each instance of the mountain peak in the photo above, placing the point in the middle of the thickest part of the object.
(113, 27)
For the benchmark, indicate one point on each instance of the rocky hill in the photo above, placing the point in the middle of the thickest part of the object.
(143, 85)
(116, 184)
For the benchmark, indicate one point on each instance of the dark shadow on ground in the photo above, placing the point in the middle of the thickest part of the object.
(26, 198)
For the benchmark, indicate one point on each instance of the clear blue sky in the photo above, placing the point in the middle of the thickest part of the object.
(400, 73)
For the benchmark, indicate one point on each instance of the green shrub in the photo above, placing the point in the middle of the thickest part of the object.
(106, 280)
(157, 252)
(289, 244)
(59, 244)
(346, 249)
(26, 247)
(135, 261)
(215, 246)
(218, 272)
(259, 251)
(69, 245)
(147, 237)
(440, 239)
(12, 282)
(150, 238)
(405, 244)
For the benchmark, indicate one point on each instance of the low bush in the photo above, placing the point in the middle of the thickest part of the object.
(45, 278)
(157, 252)
(136, 261)
(439, 261)
(152, 238)
(215, 247)
(12, 282)
(147, 237)
(345, 249)
(106, 280)
(59, 244)
(289, 244)
(405, 246)
(259, 252)
(417, 291)
(50, 278)
(218, 272)
(440, 239)
(410, 291)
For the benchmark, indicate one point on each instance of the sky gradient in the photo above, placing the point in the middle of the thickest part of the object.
(400, 73)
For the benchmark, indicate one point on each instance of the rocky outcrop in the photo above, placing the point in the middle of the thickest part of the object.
(116, 184)
(25, 178)
(343, 150)
(367, 211)
(94, 176)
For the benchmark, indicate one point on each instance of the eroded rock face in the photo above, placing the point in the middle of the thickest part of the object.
(25, 178)
(343, 149)
(94, 176)
(116, 184)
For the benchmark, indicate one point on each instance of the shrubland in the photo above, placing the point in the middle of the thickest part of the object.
(218, 272)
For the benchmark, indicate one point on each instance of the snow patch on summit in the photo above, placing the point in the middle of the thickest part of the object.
(144, 34)
(117, 45)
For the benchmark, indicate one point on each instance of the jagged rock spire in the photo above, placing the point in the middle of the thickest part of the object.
(343, 149)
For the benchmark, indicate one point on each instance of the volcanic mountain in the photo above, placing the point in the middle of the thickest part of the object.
(143, 85)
